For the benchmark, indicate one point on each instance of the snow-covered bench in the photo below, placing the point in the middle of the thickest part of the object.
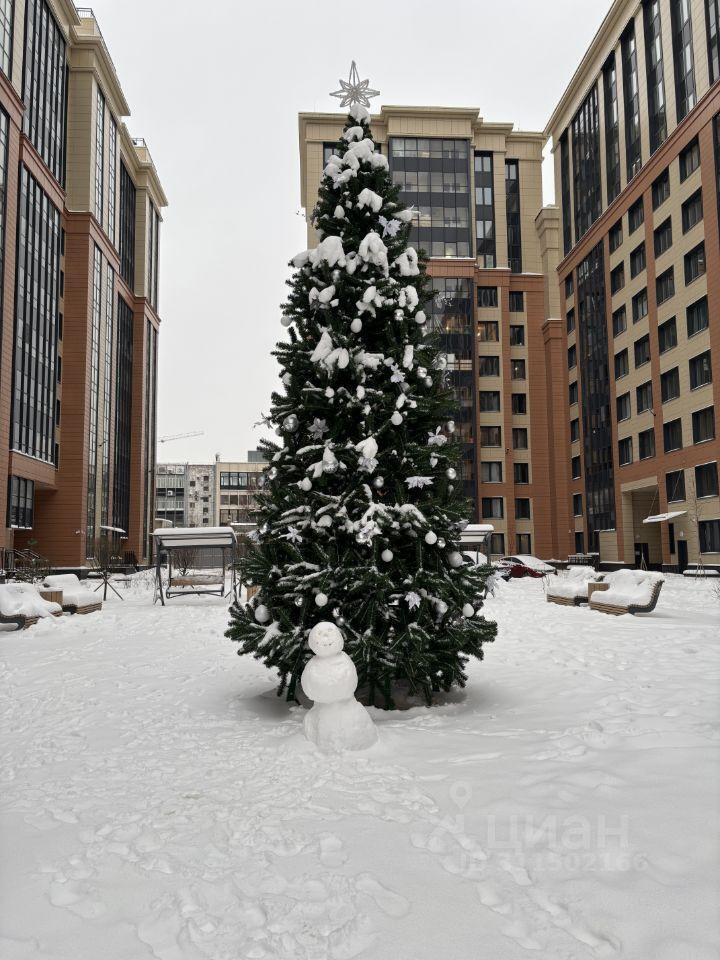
(630, 591)
(571, 588)
(76, 597)
(21, 604)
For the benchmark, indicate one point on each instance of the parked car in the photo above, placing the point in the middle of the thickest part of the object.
(524, 565)
(499, 569)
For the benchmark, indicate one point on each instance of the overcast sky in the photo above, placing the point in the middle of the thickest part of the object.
(215, 88)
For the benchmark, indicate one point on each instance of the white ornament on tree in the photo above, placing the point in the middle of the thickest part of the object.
(262, 614)
(430, 538)
(356, 325)
(468, 610)
(396, 419)
(455, 559)
(336, 720)
(306, 484)
(387, 555)
(321, 599)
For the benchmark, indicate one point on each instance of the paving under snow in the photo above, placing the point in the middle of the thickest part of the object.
(158, 801)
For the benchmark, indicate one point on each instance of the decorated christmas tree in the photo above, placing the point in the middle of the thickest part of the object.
(361, 508)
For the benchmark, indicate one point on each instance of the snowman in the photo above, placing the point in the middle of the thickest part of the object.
(336, 721)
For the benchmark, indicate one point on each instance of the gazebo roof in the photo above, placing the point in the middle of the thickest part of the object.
(175, 537)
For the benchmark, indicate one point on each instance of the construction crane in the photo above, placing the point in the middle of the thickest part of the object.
(181, 436)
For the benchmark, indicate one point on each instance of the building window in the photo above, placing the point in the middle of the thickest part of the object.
(636, 216)
(697, 316)
(700, 370)
(512, 204)
(661, 189)
(6, 35)
(99, 155)
(44, 86)
(637, 260)
(96, 320)
(153, 254)
(670, 385)
(639, 305)
(642, 351)
(489, 401)
(631, 88)
(695, 263)
(523, 543)
(520, 438)
(616, 236)
(497, 544)
(654, 69)
(522, 508)
(570, 320)
(517, 335)
(109, 338)
(643, 396)
(491, 471)
(662, 237)
(490, 437)
(517, 301)
(612, 129)
(706, 480)
(150, 421)
(488, 331)
(617, 278)
(574, 430)
(689, 160)
(4, 126)
(572, 357)
(712, 24)
(703, 424)
(565, 192)
(623, 407)
(112, 178)
(487, 297)
(621, 364)
(434, 177)
(685, 97)
(493, 508)
(517, 370)
(709, 536)
(619, 321)
(21, 498)
(37, 309)
(646, 444)
(569, 286)
(126, 245)
(672, 436)
(521, 472)
(519, 404)
(573, 393)
(665, 285)
(577, 504)
(667, 335)
(586, 164)
(489, 366)
(579, 541)
(692, 211)
(625, 452)
(485, 210)
(575, 468)
(675, 485)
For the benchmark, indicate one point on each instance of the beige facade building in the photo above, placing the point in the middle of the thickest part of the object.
(215, 494)
(636, 142)
(477, 190)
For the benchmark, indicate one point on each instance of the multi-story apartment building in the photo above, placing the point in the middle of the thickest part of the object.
(171, 495)
(636, 141)
(235, 487)
(216, 494)
(477, 191)
(79, 235)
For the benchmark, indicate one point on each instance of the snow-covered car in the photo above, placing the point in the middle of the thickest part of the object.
(481, 560)
(525, 565)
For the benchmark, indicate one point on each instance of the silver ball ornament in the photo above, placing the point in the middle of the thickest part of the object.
(378, 483)
(321, 599)
(291, 423)
(451, 473)
(396, 419)
(387, 555)
(356, 325)
(430, 538)
(262, 614)
(468, 610)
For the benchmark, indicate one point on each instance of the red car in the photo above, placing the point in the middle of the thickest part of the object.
(523, 565)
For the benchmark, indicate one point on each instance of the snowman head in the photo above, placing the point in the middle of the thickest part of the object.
(325, 639)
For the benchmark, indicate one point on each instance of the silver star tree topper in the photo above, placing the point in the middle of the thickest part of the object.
(354, 90)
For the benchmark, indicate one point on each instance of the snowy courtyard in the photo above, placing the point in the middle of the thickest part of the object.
(159, 801)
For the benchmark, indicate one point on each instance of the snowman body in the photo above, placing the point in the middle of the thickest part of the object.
(336, 720)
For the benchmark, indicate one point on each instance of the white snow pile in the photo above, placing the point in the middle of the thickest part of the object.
(629, 587)
(159, 802)
(23, 599)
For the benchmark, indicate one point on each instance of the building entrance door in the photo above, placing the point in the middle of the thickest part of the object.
(642, 555)
(682, 555)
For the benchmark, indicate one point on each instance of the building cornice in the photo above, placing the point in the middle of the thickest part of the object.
(143, 169)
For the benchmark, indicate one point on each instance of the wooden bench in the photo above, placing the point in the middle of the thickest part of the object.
(618, 609)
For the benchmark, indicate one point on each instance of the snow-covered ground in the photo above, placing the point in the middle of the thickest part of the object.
(157, 799)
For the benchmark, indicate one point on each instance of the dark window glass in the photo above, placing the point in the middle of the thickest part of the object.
(619, 321)
(487, 296)
(21, 499)
(642, 351)
(700, 370)
(670, 384)
(126, 245)
(579, 541)
(709, 536)
(149, 429)
(523, 543)
(493, 507)
(646, 444)
(99, 155)
(661, 189)
(572, 357)
(697, 316)
(712, 24)
(488, 331)
(517, 301)
(512, 202)
(517, 370)
(521, 472)
(95, 325)
(706, 480)
(6, 34)
(573, 392)
(623, 407)
(565, 192)
(621, 364)
(631, 88)
(577, 504)
(574, 430)
(519, 403)
(575, 468)
(643, 396)
(520, 438)
(665, 285)
(586, 164)
(654, 68)
(689, 159)
(695, 263)
(667, 335)
(625, 451)
(153, 254)
(672, 436)
(675, 485)
(123, 415)
(683, 57)
(490, 437)
(4, 125)
(639, 305)
(617, 278)
(612, 129)
(522, 508)
(489, 401)
(570, 320)
(497, 544)
(636, 216)
(569, 285)
(489, 366)
(491, 471)
(637, 260)
(692, 211)
(517, 335)
(616, 236)
(703, 423)
(44, 86)
(662, 237)
(485, 210)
